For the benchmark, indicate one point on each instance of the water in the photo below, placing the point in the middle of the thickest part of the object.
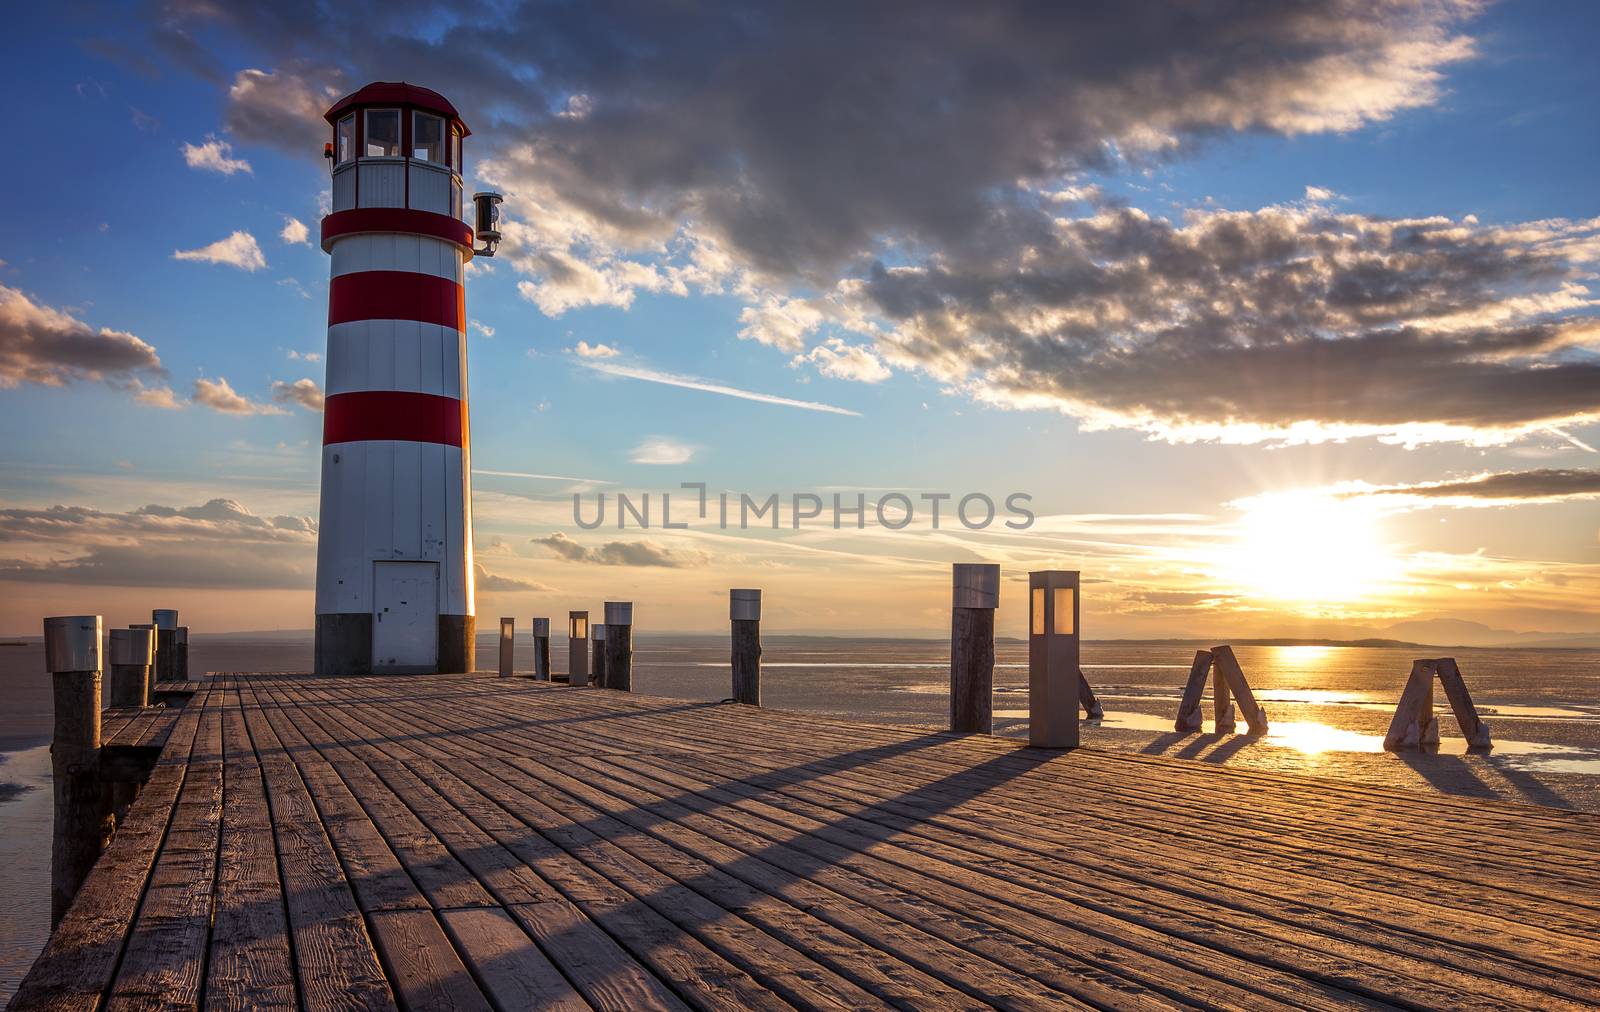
(1328, 706)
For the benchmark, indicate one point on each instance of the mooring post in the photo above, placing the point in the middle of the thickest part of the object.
(975, 594)
(597, 654)
(82, 824)
(508, 646)
(1053, 659)
(619, 645)
(150, 682)
(132, 651)
(744, 610)
(577, 648)
(180, 654)
(541, 649)
(166, 622)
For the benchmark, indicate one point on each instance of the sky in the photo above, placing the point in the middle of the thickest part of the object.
(1281, 316)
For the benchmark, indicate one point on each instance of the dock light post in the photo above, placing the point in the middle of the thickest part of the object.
(166, 622)
(597, 654)
(619, 645)
(577, 648)
(975, 596)
(508, 646)
(1053, 658)
(82, 824)
(541, 649)
(132, 651)
(744, 610)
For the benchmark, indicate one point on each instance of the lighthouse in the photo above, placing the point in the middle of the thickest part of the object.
(394, 547)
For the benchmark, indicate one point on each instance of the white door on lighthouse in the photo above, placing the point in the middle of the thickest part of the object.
(405, 619)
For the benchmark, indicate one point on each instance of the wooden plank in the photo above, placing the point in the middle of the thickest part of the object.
(163, 964)
(422, 964)
(336, 964)
(249, 966)
(512, 971)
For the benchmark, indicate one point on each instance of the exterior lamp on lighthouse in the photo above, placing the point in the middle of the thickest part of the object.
(1053, 658)
(394, 554)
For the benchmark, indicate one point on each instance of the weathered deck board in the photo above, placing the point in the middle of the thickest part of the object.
(462, 842)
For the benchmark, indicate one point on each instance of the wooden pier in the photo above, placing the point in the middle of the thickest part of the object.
(437, 842)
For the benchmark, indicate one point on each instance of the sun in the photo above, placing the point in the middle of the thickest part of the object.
(1309, 547)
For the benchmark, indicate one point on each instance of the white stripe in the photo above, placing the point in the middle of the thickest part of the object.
(396, 251)
(393, 500)
(395, 355)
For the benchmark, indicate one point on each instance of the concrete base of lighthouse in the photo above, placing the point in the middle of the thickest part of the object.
(344, 644)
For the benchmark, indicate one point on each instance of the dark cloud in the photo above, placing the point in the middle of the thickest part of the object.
(40, 344)
(216, 545)
(620, 553)
(1543, 484)
(486, 580)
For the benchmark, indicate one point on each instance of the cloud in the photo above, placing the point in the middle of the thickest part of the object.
(1503, 488)
(695, 383)
(845, 361)
(237, 250)
(219, 544)
(215, 155)
(661, 450)
(482, 328)
(48, 346)
(583, 349)
(155, 396)
(621, 553)
(304, 356)
(1319, 193)
(218, 395)
(486, 580)
(294, 232)
(304, 392)
(283, 107)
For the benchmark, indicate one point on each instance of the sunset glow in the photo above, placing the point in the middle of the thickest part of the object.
(1305, 547)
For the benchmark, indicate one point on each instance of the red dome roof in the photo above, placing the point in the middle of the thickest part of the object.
(397, 93)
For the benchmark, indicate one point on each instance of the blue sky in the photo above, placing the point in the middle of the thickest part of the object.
(1506, 134)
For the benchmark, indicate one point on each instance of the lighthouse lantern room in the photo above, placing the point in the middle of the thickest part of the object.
(394, 551)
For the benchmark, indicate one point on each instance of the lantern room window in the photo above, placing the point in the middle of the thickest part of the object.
(455, 148)
(383, 133)
(347, 138)
(427, 138)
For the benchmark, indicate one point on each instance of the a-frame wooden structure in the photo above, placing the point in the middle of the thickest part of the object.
(1227, 684)
(1415, 724)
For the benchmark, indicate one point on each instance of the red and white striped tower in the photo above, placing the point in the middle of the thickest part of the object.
(394, 551)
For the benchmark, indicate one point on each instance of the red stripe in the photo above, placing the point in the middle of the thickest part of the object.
(394, 414)
(397, 295)
(396, 219)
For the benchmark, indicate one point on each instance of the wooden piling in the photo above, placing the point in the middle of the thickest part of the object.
(1086, 697)
(1189, 718)
(1229, 680)
(597, 654)
(508, 646)
(744, 611)
(180, 654)
(1415, 724)
(82, 825)
(577, 648)
(975, 595)
(541, 649)
(619, 645)
(150, 683)
(131, 653)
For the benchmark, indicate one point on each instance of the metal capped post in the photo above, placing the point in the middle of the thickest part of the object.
(150, 683)
(619, 645)
(508, 646)
(132, 651)
(82, 824)
(597, 653)
(541, 649)
(975, 596)
(577, 648)
(744, 611)
(1053, 659)
(180, 654)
